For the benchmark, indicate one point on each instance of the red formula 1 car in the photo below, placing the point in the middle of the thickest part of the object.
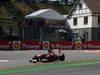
(51, 56)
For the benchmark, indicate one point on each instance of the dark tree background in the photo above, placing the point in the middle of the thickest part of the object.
(4, 0)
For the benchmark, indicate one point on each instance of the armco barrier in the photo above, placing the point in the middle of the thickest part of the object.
(5, 45)
(62, 45)
(31, 45)
(91, 45)
(41, 45)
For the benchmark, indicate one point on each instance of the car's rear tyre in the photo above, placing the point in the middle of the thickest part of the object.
(62, 57)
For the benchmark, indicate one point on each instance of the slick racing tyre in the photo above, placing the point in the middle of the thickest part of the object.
(30, 60)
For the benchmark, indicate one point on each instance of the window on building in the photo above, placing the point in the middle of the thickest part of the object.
(85, 36)
(75, 21)
(98, 36)
(76, 35)
(1, 30)
(85, 20)
(98, 20)
(80, 6)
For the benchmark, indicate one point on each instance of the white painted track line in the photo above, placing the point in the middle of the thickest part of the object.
(5, 60)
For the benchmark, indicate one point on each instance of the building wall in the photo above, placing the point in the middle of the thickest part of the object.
(80, 33)
(92, 28)
(95, 34)
(95, 22)
(80, 14)
(80, 23)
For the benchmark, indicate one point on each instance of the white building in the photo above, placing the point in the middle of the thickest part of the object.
(84, 20)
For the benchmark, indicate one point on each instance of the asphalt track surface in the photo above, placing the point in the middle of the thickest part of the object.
(18, 58)
(74, 70)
